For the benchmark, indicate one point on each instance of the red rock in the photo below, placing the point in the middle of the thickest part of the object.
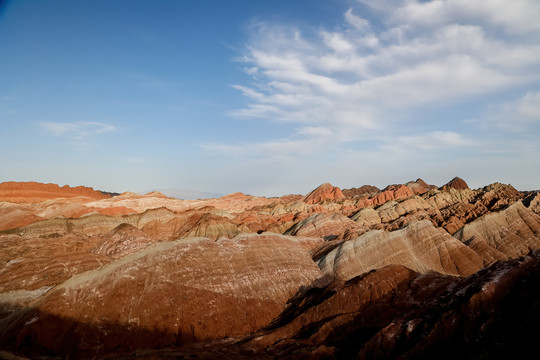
(365, 190)
(395, 313)
(235, 196)
(156, 194)
(324, 192)
(230, 287)
(123, 240)
(15, 215)
(32, 192)
(168, 294)
(456, 183)
(419, 246)
(116, 210)
(510, 233)
(392, 192)
(419, 186)
(30, 263)
(324, 225)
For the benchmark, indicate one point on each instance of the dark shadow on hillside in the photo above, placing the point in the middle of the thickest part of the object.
(493, 314)
(65, 337)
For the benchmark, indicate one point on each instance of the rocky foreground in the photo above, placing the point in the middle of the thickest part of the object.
(409, 271)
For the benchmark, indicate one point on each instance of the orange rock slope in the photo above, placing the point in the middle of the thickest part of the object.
(32, 192)
(87, 275)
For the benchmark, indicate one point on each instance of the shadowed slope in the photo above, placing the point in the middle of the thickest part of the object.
(395, 313)
(189, 289)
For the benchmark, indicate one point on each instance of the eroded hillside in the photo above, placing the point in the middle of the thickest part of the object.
(360, 272)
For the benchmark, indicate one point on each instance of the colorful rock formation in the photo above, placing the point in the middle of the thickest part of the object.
(324, 192)
(363, 273)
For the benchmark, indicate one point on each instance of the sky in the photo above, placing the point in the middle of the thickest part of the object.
(269, 97)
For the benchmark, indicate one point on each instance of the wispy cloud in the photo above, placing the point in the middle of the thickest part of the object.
(514, 17)
(76, 129)
(80, 134)
(436, 140)
(359, 81)
(520, 115)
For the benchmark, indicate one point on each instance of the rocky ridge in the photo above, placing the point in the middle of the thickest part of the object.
(75, 262)
(31, 192)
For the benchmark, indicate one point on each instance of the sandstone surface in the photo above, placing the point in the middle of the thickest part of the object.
(394, 313)
(123, 240)
(167, 294)
(324, 192)
(323, 225)
(456, 183)
(124, 276)
(532, 201)
(419, 186)
(364, 190)
(510, 233)
(419, 246)
(29, 192)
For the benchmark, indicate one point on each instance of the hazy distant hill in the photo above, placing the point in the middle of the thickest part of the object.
(185, 194)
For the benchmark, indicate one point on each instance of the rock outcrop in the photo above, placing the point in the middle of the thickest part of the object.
(324, 192)
(456, 183)
(392, 192)
(532, 201)
(364, 190)
(510, 233)
(323, 225)
(419, 186)
(123, 240)
(419, 246)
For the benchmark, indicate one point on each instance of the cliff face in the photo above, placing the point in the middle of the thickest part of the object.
(328, 274)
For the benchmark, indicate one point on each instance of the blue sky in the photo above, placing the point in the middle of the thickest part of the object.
(269, 97)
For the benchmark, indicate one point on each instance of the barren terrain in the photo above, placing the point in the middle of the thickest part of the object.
(409, 271)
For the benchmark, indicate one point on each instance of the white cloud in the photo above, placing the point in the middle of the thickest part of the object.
(81, 135)
(383, 5)
(315, 131)
(330, 70)
(361, 83)
(337, 42)
(528, 107)
(521, 115)
(515, 17)
(76, 129)
(356, 21)
(277, 151)
(436, 140)
(251, 70)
